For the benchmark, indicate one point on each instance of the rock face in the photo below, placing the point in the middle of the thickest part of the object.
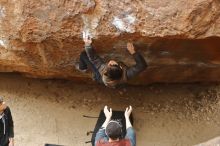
(179, 39)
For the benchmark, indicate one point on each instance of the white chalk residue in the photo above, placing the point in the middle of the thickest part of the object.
(2, 11)
(2, 43)
(90, 24)
(125, 23)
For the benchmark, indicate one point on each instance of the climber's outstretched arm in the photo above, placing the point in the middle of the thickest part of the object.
(91, 53)
(140, 62)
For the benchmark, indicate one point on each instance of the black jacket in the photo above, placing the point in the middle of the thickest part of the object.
(128, 72)
(6, 127)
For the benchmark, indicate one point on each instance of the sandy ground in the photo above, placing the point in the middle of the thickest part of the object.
(51, 111)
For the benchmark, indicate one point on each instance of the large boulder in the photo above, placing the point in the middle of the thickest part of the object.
(180, 40)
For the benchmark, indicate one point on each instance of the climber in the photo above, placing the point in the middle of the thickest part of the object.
(6, 125)
(111, 131)
(112, 73)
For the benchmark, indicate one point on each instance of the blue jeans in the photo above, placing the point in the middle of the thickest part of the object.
(130, 135)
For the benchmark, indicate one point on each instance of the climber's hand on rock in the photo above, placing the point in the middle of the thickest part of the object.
(86, 38)
(130, 48)
(88, 41)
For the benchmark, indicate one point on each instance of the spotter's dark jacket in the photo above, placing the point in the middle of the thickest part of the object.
(6, 127)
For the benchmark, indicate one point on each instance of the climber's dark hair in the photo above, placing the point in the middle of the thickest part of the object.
(114, 72)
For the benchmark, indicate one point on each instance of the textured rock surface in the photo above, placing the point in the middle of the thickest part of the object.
(43, 38)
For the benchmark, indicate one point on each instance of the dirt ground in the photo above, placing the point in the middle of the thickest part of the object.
(51, 111)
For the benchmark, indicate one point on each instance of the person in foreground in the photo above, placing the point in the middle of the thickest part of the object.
(110, 73)
(6, 125)
(110, 134)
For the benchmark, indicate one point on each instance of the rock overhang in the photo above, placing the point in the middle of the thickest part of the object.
(179, 39)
